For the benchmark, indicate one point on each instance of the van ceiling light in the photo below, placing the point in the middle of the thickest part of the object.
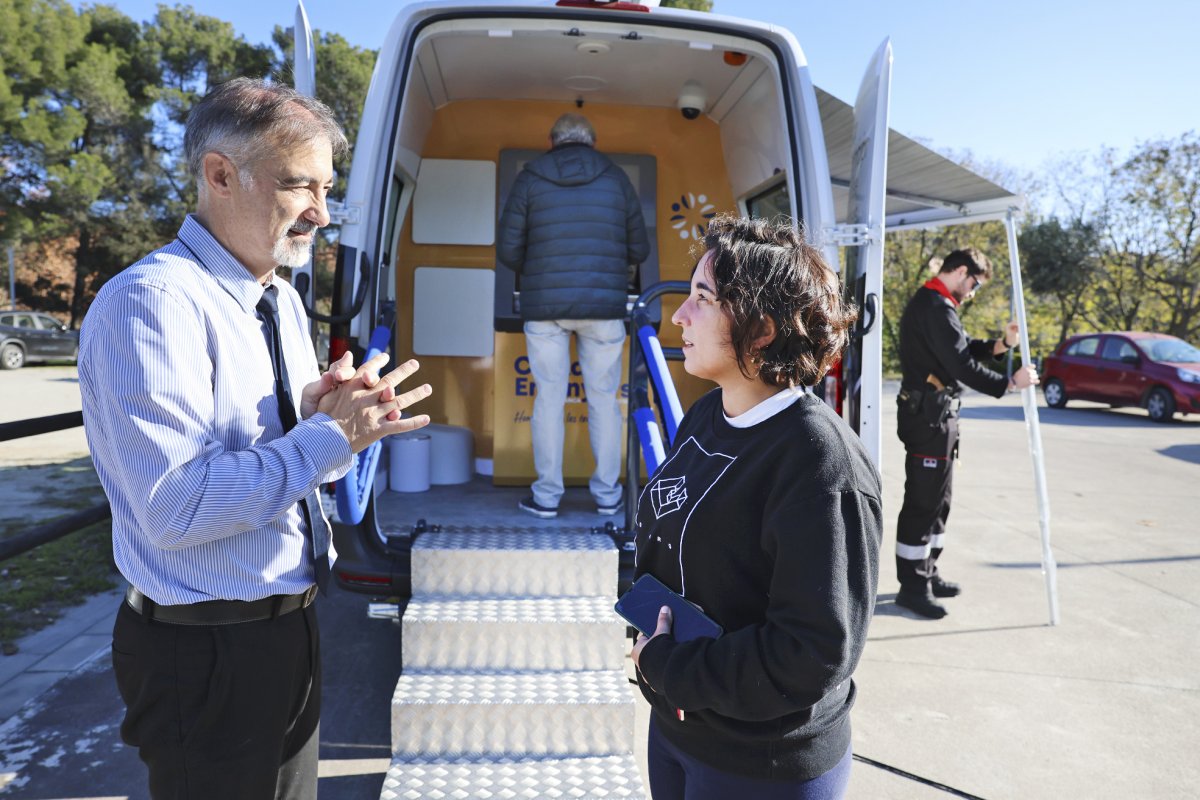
(584, 83)
(735, 59)
(500, 34)
(700, 45)
(593, 48)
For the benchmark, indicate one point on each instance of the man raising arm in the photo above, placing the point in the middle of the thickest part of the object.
(211, 429)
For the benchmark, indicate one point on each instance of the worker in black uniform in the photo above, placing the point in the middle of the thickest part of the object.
(936, 358)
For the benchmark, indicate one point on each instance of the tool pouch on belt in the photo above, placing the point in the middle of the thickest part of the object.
(909, 401)
(938, 406)
(933, 406)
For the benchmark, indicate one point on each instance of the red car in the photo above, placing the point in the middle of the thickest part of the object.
(1157, 372)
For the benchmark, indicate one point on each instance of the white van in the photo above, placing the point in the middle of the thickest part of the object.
(706, 113)
(514, 673)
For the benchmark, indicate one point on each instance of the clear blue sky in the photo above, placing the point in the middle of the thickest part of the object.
(1014, 81)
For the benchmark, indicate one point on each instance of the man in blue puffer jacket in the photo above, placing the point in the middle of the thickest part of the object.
(571, 228)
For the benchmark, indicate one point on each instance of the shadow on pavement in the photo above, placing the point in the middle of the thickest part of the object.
(885, 606)
(1183, 452)
(1097, 417)
(1069, 564)
(992, 413)
(958, 632)
(25, 503)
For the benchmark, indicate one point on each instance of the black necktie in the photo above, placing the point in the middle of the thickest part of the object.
(310, 506)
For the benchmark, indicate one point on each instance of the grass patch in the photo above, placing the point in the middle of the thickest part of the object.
(35, 587)
(32, 494)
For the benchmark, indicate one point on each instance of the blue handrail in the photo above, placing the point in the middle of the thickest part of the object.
(643, 423)
(664, 387)
(353, 491)
(650, 437)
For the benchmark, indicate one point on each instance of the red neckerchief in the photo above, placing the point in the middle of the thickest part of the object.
(939, 287)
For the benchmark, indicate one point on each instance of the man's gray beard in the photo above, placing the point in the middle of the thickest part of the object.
(289, 253)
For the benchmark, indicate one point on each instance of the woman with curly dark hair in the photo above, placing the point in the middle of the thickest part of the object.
(766, 514)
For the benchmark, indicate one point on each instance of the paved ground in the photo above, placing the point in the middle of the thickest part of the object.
(51, 654)
(991, 701)
(64, 742)
(60, 458)
(39, 391)
(59, 709)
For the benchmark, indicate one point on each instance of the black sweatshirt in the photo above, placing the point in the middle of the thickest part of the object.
(774, 530)
(932, 341)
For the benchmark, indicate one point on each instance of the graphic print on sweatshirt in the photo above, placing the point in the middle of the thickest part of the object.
(678, 488)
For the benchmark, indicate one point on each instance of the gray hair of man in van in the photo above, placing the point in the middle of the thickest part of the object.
(572, 128)
(246, 119)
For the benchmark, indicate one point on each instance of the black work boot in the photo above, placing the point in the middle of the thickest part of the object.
(922, 602)
(943, 588)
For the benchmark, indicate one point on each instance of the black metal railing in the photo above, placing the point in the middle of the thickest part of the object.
(50, 531)
(32, 427)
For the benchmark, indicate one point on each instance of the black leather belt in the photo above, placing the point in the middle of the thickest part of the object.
(219, 612)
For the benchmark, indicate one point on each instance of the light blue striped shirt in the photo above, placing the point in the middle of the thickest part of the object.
(181, 417)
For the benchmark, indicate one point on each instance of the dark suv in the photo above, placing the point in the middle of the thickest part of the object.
(1129, 368)
(26, 336)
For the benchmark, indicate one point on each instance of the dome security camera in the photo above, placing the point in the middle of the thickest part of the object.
(692, 99)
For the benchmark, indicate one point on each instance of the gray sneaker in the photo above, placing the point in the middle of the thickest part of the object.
(608, 511)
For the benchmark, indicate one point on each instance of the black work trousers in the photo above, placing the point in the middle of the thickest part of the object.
(929, 454)
(222, 711)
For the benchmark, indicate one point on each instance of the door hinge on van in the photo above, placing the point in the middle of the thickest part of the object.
(849, 235)
(342, 214)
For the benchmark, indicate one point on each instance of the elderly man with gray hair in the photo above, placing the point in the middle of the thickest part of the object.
(570, 229)
(211, 428)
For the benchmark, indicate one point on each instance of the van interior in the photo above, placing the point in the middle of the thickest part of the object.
(697, 120)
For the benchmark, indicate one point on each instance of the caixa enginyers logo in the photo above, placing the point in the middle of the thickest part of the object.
(692, 214)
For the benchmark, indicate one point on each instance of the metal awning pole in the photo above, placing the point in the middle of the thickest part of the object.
(12, 282)
(1029, 399)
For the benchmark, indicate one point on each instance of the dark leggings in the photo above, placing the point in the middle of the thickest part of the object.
(674, 775)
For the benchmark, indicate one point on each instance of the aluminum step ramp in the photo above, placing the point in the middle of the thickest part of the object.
(465, 633)
(514, 682)
(513, 562)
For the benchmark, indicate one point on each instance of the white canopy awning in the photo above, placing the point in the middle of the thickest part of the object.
(924, 189)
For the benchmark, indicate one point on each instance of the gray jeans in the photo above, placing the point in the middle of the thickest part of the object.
(600, 342)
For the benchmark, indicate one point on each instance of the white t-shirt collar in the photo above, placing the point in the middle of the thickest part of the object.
(767, 408)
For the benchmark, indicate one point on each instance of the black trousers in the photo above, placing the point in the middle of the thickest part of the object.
(929, 454)
(222, 711)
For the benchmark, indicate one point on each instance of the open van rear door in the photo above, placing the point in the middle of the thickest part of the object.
(304, 79)
(863, 373)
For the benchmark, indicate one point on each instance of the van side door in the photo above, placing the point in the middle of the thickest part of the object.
(863, 363)
(304, 80)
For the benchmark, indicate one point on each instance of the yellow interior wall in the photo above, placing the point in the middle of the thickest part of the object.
(690, 167)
